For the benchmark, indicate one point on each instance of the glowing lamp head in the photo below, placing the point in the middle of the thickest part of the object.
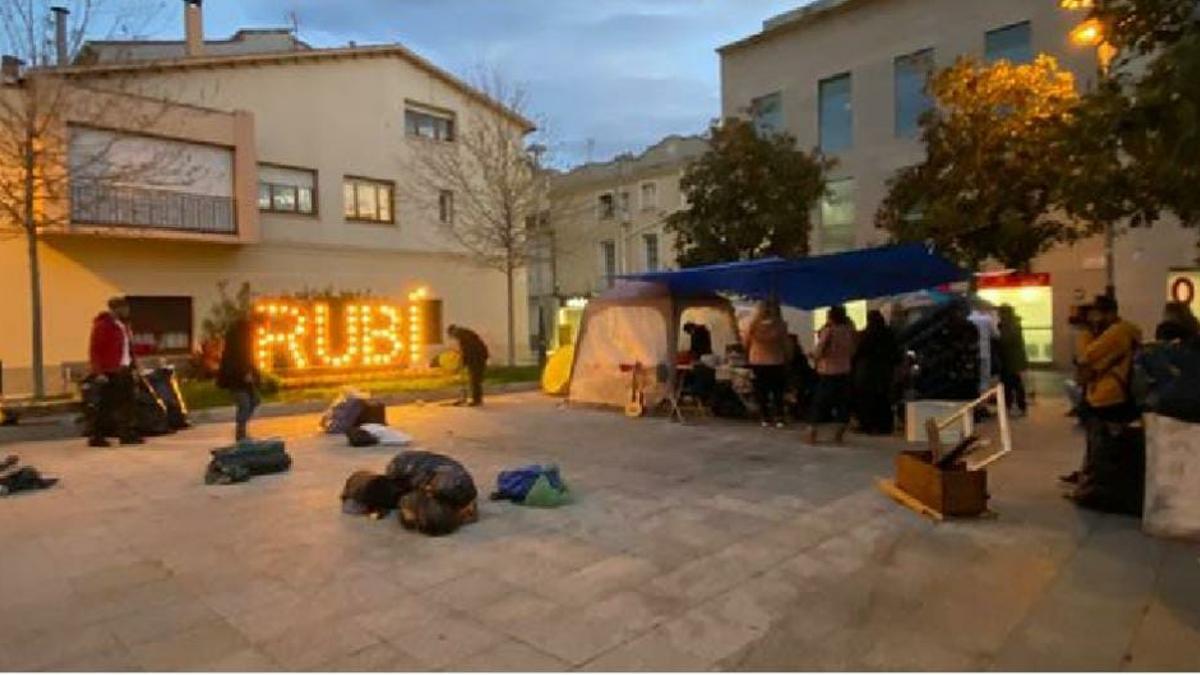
(1075, 4)
(1090, 33)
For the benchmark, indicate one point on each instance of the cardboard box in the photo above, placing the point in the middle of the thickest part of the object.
(954, 492)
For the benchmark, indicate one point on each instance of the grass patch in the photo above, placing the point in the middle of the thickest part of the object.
(201, 394)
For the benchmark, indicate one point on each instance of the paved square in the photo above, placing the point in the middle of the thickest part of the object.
(707, 546)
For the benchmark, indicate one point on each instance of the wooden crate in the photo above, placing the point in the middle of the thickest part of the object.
(949, 492)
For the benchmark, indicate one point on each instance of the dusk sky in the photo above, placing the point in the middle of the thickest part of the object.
(623, 73)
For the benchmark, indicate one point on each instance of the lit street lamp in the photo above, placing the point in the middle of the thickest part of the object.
(1091, 33)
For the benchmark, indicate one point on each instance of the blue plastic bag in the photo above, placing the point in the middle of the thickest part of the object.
(514, 484)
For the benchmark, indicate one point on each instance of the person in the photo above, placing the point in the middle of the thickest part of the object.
(474, 356)
(767, 346)
(1107, 364)
(238, 375)
(801, 376)
(834, 357)
(875, 363)
(985, 324)
(110, 355)
(700, 340)
(1178, 324)
(1083, 320)
(1014, 359)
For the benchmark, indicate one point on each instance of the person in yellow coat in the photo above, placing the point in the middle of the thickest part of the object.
(1106, 364)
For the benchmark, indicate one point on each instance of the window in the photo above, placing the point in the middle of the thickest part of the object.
(608, 262)
(768, 114)
(836, 118)
(284, 189)
(911, 74)
(437, 126)
(838, 228)
(368, 200)
(161, 324)
(623, 202)
(649, 196)
(650, 242)
(1012, 43)
(446, 207)
(606, 207)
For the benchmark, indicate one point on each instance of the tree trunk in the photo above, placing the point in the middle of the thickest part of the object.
(35, 276)
(512, 326)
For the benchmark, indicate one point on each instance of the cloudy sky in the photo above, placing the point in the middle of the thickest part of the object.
(622, 73)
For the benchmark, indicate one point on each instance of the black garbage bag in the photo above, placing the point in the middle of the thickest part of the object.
(361, 438)
(1165, 380)
(1114, 475)
(150, 413)
(445, 478)
(90, 393)
(238, 463)
(164, 383)
(369, 493)
(23, 479)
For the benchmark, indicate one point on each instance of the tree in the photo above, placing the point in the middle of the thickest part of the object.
(748, 197)
(35, 161)
(487, 187)
(988, 183)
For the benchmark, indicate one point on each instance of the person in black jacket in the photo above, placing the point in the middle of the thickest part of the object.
(474, 355)
(875, 364)
(237, 373)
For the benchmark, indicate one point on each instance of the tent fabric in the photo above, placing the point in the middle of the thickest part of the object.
(639, 322)
(819, 281)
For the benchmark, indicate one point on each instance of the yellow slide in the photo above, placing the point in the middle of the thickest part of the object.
(557, 373)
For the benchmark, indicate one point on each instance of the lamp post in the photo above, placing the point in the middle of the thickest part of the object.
(1090, 33)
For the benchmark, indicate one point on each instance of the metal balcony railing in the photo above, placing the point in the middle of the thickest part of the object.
(121, 206)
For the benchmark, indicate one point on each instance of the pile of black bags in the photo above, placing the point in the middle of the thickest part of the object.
(158, 405)
(434, 494)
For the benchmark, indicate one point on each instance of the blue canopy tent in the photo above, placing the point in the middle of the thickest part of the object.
(819, 281)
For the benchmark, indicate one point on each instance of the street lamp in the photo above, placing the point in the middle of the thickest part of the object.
(1091, 33)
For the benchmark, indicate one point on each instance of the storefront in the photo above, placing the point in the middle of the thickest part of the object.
(1032, 297)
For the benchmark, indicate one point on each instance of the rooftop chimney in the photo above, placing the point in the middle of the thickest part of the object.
(60, 34)
(193, 21)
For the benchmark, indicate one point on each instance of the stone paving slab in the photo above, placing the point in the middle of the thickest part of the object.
(698, 547)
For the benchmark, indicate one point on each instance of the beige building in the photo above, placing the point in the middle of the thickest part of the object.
(847, 76)
(609, 219)
(295, 162)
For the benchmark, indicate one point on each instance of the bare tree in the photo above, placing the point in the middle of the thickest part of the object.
(40, 99)
(488, 187)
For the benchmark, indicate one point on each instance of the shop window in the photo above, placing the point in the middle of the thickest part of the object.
(368, 200)
(420, 123)
(650, 242)
(161, 325)
(286, 189)
(1011, 43)
(1032, 298)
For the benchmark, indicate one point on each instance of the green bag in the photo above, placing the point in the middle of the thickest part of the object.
(542, 495)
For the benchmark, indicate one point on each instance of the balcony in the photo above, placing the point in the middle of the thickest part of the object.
(151, 209)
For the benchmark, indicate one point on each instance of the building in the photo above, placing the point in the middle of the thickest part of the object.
(287, 172)
(608, 219)
(847, 76)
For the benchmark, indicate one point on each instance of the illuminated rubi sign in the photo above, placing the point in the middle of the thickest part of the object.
(306, 334)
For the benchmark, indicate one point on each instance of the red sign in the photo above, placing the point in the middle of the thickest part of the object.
(1013, 280)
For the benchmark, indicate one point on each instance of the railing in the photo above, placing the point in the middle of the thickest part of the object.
(121, 206)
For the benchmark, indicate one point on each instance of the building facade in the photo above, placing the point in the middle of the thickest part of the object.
(607, 219)
(295, 162)
(847, 76)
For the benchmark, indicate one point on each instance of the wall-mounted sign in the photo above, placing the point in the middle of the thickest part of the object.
(295, 334)
(1184, 286)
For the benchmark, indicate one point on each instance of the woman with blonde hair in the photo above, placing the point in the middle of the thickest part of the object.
(767, 347)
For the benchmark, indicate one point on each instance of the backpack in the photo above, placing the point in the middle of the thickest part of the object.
(239, 463)
(422, 512)
(371, 493)
(515, 484)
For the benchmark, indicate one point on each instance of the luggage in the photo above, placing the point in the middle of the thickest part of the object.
(361, 438)
(373, 411)
(343, 415)
(1114, 476)
(369, 493)
(240, 462)
(166, 386)
(150, 416)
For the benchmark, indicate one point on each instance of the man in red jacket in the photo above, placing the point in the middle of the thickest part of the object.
(111, 356)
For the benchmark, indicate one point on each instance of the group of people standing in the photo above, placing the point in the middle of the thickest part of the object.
(850, 374)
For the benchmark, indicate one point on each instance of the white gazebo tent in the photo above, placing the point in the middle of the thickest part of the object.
(640, 323)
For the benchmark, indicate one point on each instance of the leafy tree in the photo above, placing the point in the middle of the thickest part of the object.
(988, 183)
(1144, 26)
(749, 196)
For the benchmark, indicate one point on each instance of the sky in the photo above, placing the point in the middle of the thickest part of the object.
(621, 74)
